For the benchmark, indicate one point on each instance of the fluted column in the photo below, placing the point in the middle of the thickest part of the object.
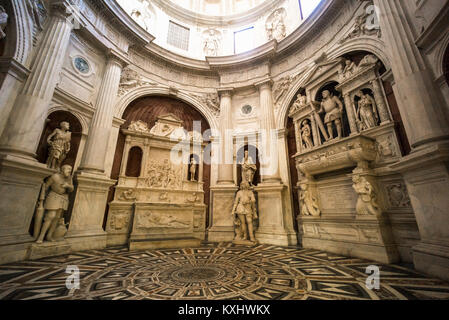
(225, 172)
(270, 161)
(351, 115)
(27, 119)
(380, 101)
(419, 103)
(100, 129)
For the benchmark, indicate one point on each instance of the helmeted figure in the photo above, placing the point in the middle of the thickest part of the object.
(244, 213)
(59, 146)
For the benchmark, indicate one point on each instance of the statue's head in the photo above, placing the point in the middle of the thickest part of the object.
(356, 178)
(244, 185)
(305, 123)
(65, 125)
(348, 62)
(303, 186)
(326, 94)
(66, 170)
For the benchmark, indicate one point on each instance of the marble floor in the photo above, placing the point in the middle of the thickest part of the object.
(214, 271)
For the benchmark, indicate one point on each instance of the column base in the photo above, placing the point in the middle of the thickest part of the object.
(432, 259)
(222, 223)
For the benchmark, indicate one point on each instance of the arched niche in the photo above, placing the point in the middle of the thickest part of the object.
(193, 158)
(254, 154)
(148, 109)
(134, 165)
(54, 120)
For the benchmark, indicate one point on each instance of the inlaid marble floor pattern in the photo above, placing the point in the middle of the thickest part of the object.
(213, 271)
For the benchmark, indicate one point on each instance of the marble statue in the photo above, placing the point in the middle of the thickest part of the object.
(301, 102)
(276, 27)
(3, 22)
(59, 145)
(192, 169)
(141, 16)
(139, 126)
(211, 43)
(349, 69)
(306, 134)
(53, 205)
(367, 200)
(333, 109)
(38, 12)
(249, 169)
(367, 117)
(308, 203)
(245, 210)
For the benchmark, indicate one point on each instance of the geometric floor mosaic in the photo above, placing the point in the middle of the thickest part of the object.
(213, 271)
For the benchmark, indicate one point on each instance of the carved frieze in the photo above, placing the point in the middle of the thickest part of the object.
(148, 219)
(130, 80)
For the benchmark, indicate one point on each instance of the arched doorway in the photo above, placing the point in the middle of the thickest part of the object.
(148, 109)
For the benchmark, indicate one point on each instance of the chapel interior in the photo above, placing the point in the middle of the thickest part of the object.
(224, 149)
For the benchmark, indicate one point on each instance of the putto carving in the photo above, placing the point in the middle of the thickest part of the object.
(211, 42)
(130, 79)
(275, 25)
(139, 126)
(244, 213)
(59, 145)
(367, 116)
(3, 22)
(350, 69)
(299, 104)
(128, 195)
(51, 226)
(367, 200)
(308, 201)
(363, 27)
(398, 196)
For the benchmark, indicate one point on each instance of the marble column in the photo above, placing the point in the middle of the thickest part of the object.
(351, 116)
(425, 170)
(101, 126)
(380, 101)
(268, 127)
(225, 173)
(27, 119)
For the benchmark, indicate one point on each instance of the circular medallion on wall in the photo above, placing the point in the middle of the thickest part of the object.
(247, 110)
(81, 65)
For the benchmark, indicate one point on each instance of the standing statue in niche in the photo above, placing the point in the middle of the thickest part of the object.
(306, 134)
(367, 200)
(308, 203)
(192, 169)
(211, 43)
(367, 117)
(249, 169)
(53, 205)
(59, 145)
(3, 22)
(244, 213)
(276, 28)
(333, 108)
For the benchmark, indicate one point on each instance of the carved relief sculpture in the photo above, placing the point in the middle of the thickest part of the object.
(275, 26)
(59, 145)
(348, 70)
(249, 169)
(398, 196)
(367, 200)
(306, 134)
(245, 211)
(130, 79)
(211, 42)
(141, 15)
(367, 117)
(139, 126)
(162, 175)
(308, 203)
(37, 12)
(52, 206)
(128, 195)
(154, 220)
(3, 22)
(333, 109)
(300, 103)
(361, 27)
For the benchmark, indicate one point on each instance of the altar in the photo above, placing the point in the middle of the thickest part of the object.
(159, 197)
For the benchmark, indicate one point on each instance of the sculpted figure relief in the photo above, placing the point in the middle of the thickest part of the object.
(37, 12)
(306, 134)
(139, 126)
(211, 43)
(244, 213)
(308, 203)
(3, 22)
(141, 15)
(276, 27)
(53, 205)
(367, 200)
(367, 117)
(59, 145)
(333, 108)
(301, 102)
(249, 169)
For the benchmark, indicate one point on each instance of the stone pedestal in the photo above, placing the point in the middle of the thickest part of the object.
(86, 225)
(20, 185)
(222, 223)
(273, 225)
(426, 174)
(48, 249)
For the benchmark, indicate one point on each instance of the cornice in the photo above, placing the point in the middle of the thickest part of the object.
(435, 30)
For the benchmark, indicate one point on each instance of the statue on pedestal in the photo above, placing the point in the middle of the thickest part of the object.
(192, 169)
(306, 134)
(367, 117)
(249, 169)
(367, 200)
(211, 43)
(53, 206)
(333, 108)
(244, 212)
(308, 203)
(59, 145)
